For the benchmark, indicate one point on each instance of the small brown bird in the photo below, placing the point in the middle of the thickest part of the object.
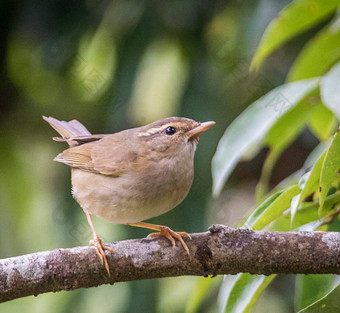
(132, 175)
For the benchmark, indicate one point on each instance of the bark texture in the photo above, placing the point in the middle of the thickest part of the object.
(221, 250)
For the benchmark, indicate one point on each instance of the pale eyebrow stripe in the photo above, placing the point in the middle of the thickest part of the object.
(152, 131)
(155, 130)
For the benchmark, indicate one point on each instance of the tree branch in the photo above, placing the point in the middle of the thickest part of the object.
(222, 250)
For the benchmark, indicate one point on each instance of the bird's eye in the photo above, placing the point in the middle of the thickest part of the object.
(170, 130)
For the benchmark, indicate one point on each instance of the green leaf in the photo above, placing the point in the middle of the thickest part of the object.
(306, 217)
(271, 209)
(288, 126)
(329, 89)
(297, 199)
(260, 210)
(283, 132)
(315, 154)
(262, 186)
(197, 296)
(330, 167)
(322, 121)
(295, 177)
(239, 292)
(249, 128)
(293, 208)
(310, 288)
(329, 303)
(324, 46)
(292, 179)
(312, 182)
(295, 18)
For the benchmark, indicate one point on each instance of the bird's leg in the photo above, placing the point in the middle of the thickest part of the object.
(97, 243)
(164, 231)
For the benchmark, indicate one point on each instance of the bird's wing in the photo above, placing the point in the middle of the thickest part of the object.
(110, 155)
(115, 154)
(78, 156)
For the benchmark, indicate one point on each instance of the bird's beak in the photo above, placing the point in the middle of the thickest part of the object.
(201, 128)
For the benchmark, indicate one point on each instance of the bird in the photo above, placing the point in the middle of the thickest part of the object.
(132, 175)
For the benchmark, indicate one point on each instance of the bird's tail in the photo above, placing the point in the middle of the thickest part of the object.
(68, 129)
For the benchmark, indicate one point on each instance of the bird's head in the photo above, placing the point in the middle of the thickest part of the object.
(172, 136)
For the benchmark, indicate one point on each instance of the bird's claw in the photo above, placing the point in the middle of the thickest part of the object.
(170, 235)
(100, 251)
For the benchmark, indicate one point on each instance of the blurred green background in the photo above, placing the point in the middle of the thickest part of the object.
(114, 65)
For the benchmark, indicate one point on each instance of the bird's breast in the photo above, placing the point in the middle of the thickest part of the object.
(134, 196)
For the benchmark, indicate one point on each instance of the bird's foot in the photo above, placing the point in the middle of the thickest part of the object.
(100, 250)
(171, 235)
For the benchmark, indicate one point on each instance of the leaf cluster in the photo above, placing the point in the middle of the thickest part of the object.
(310, 198)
